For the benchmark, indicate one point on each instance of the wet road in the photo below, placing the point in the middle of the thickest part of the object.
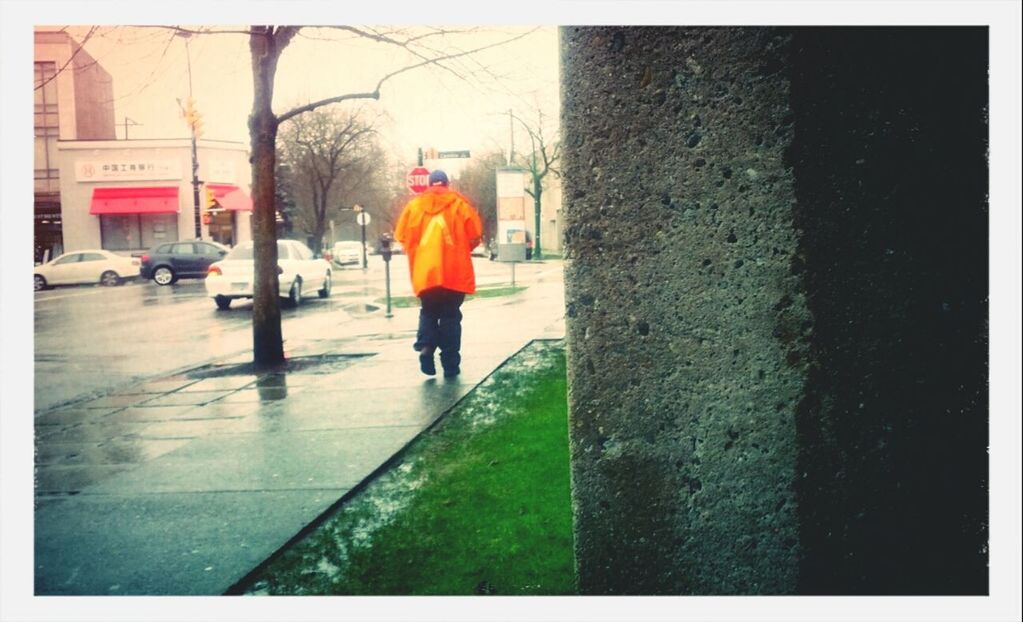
(89, 340)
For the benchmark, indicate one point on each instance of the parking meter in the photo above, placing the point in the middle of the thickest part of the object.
(385, 252)
(385, 246)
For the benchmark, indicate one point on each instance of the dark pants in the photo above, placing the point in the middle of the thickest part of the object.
(440, 325)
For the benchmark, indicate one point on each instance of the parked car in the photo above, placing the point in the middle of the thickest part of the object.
(169, 262)
(299, 273)
(88, 266)
(347, 253)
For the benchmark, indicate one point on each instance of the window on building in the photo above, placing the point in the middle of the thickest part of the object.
(47, 128)
(120, 232)
(131, 232)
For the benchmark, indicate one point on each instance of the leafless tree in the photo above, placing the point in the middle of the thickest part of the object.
(544, 153)
(333, 156)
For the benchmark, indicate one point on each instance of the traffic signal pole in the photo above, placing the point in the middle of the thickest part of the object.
(192, 120)
(195, 189)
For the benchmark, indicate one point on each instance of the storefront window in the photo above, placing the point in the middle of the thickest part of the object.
(130, 232)
(222, 227)
(157, 228)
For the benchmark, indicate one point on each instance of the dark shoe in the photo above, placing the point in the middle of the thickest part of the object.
(426, 364)
(451, 373)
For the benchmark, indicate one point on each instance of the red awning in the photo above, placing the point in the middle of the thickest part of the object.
(231, 198)
(236, 201)
(219, 190)
(138, 200)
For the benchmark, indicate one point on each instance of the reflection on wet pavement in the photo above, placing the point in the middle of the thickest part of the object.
(83, 444)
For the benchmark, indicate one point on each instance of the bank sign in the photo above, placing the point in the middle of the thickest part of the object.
(127, 169)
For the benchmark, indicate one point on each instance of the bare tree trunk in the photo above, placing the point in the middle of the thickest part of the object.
(537, 192)
(267, 341)
(318, 233)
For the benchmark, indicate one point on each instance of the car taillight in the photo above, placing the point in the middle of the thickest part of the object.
(214, 270)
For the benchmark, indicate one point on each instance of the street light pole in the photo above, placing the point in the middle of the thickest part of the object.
(195, 190)
(195, 156)
(511, 144)
(533, 180)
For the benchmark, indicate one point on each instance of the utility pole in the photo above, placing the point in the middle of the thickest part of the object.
(511, 132)
(126, 122)
(537, 254)
(192, 122)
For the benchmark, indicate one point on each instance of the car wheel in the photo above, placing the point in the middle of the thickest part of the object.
(325, 292)
(295, 295)
(109, 279)
(223, 302)
(164, 275)
(40, 283)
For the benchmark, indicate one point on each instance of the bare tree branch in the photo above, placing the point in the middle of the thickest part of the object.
(375, 94)
(70, 60)
(323, 102)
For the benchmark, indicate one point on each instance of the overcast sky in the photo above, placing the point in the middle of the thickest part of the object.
(457, 109)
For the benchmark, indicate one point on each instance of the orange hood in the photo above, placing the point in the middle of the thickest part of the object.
(436, 199)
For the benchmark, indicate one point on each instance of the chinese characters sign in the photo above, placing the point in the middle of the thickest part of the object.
(127, 169)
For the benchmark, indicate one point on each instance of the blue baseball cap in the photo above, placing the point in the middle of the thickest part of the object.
(438, 177)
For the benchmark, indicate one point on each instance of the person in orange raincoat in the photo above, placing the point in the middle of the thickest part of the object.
(439, 229)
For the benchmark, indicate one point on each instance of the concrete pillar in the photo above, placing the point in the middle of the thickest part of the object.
(686, 321)
(776, 292)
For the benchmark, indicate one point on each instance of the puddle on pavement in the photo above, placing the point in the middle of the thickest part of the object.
(319, 364)
(358, 309)
(405, 334)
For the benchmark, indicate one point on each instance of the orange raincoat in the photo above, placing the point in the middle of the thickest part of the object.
(439, 229)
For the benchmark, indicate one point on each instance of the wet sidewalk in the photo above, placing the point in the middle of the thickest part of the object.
(180, 485)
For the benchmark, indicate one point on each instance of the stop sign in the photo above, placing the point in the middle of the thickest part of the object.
(418, 179)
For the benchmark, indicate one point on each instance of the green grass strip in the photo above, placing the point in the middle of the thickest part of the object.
(479, 505)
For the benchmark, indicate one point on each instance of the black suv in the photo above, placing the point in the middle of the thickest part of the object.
(169, 262)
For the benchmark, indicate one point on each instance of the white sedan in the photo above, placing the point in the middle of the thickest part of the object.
(298, 273)
(347, 252)
(88, 266)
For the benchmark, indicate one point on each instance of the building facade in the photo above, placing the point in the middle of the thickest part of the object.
(73, 101)
(127, 196)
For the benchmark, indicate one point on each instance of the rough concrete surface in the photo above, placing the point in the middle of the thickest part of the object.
(686, 325)
(776, 292)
